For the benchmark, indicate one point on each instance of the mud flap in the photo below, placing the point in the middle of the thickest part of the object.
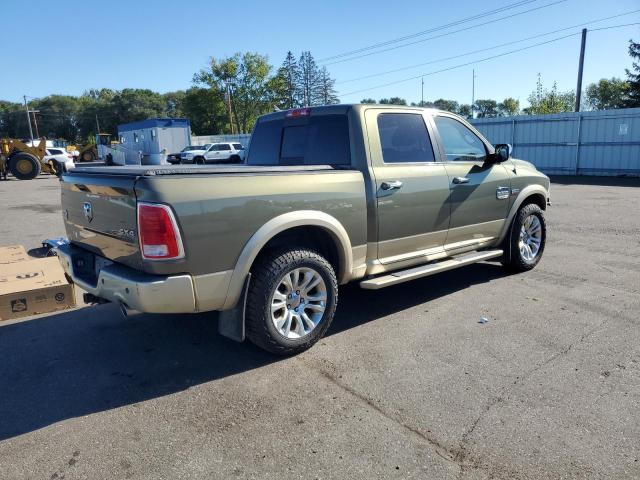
(231, 322)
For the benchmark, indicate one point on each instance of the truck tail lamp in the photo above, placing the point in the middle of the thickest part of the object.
(158, 232)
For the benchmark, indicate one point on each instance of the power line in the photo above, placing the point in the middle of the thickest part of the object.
(486, 49)
(446, 33)
(431, 30)
(484, 59)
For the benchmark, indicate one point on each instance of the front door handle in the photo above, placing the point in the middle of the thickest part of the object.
(459, 180)
(395, 185)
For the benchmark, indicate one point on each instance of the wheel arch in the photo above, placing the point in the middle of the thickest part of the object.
(291, 222)
(531, 194)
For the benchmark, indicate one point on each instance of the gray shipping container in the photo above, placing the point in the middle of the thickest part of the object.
(605, 142)
(150, 141)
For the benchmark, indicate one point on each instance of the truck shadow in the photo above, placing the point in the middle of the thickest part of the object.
(91, 360)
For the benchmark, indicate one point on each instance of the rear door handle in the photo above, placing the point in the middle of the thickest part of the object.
(395, 185)
(459, 180)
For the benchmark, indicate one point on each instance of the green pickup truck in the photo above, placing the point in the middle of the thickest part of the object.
(328, 195)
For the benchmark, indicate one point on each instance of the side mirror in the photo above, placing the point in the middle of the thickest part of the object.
(503, 152)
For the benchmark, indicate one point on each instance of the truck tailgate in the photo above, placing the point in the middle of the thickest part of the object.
(99, 212)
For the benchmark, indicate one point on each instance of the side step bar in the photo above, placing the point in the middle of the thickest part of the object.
(426, 270)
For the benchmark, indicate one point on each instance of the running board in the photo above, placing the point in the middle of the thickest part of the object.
(426, 270)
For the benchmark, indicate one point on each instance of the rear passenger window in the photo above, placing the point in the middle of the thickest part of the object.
(319, 140)
(224, 146)
(404, 138)
(238, 146)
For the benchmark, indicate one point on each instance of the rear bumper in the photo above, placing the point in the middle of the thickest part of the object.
(136, 290)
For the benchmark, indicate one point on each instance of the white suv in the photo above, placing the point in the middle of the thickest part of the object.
(223, 152)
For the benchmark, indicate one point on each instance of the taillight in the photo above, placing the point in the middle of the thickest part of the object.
(158, 232)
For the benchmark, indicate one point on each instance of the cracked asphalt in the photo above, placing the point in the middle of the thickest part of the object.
(407, 383)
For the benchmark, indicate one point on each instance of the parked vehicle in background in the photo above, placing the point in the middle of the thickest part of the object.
(329, 195)
(61, 156)
(220, 152)
(174, 158)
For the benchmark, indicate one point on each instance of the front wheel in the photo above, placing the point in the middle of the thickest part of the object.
(291, 300)
(527, 237)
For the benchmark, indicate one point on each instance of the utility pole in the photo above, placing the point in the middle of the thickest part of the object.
(473, 93)
(580, 67)
(97, 124)
(422, 94)
(35, 122)
(26, 106)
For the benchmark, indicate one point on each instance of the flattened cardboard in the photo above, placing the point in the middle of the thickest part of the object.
(13, 253)
(34, 286)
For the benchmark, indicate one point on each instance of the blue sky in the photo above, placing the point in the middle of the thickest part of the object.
(160, 44)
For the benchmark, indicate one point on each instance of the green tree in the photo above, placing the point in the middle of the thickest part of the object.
(309, 83)
(486, 108)
(392, 101)
(508, 107)
(607, 94)
(286, 84)
(57, 117)
(465, 110)
(634, 78)
(327, 92)
(447, 105)
(368, 101)
(543, 101)
(174, 103)
(206, 111)
(13, 120)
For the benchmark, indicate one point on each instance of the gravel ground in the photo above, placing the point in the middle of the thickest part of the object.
(407, 383)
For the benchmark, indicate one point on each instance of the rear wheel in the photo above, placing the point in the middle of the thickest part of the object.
(234, 159)
(88, 156)
(24, 166)
(527, 238)
(291, 301)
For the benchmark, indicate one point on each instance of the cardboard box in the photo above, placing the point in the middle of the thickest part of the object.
(28, 287)
(13, 253)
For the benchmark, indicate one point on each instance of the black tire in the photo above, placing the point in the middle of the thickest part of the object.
(24, 166)
(235, 159)
(513, 259)
(198, 160)
(266, 276)
(88, 156)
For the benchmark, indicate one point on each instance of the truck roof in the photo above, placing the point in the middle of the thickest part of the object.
(338, 109)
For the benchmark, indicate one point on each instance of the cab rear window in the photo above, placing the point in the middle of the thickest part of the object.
(314, 140)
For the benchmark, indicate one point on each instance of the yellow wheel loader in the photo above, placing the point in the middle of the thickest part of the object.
(22, 161)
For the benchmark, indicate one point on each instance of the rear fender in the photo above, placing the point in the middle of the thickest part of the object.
(277, 225)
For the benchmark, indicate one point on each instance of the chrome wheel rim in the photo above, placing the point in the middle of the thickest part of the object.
(530, 238)
(298, 302)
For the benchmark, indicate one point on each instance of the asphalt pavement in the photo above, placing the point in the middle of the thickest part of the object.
(407, 383)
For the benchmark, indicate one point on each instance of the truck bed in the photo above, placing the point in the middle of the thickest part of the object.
(154, 170)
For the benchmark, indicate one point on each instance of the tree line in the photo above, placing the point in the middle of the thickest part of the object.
(225, 97)
(230, 93)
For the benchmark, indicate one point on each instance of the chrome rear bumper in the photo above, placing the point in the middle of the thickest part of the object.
(132, 289)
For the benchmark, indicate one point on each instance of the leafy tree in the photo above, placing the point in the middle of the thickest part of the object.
(486, 108)
(508, 107)
(13, 120)
(447, 105)
(368, 100)
(327, 92)
(607, 94)
(174, 102)
(634, 78)
(206, 111)
(465, 110)
(392, 101)
(543, 101)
